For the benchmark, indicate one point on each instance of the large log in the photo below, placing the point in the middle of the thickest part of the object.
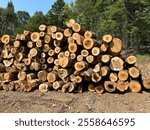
(134, 72)
(135, 86)
(116, 64)
(110, 86)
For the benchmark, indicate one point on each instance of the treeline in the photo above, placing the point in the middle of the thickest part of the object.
(127, 19)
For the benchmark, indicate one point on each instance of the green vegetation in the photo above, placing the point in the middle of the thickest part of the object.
(127, 19)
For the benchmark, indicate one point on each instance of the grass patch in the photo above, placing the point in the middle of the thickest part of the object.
(142, 58)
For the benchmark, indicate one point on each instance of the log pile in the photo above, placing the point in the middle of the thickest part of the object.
(70, 60)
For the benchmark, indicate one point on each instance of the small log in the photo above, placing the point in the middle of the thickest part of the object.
(61, 55)
(134, 72)
(42, 75)
(72, 47)
(131, 60)
(110, 86)
(65, 62)
(123, 75)
(34, 52)
(104, 47)
(10, 75)
(52, 76)
(63, 73)
(113, 77)
(59, 36)
(19, 56)
(91, 87)
(44, 87)
(96, 77)
(105, 58)
(146, 83)
(79, 58)
(116, 64)
(21, 75)
(135, 86)
(72, 56)
(77, 28)
(88, 43)
(17, 44)
(35, 36)
(42, 27)
(89, 34)
(46, 48)
(56, 62)
(39, 43)
(71, 40)
(42, 34)
(44, 66)
(105, 70)
(58, 84)
(50, 60)
(5, 39)
(122, 86)
(115, 47)
(90, 59)
(57, 50)
(99, 89)
(8, 63)
(67, 53)
(8, 86)
(27, 61)
(97, 68)
(67, 32)
(95, 51)
(56, 29)
(51, 52)
(70, 23)
(4, 53)
(30, 44)
(26, 33)
(107, 38)
(79, 39)
(80, 65)
(56, 43)
(65, 80)
(49, 31)
(47, 39)
(84, 53)
(65, 87)
(78, 79)
(72, 87)
(35, 66)
(31, 76)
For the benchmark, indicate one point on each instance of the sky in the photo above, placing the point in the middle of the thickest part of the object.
(31, 6)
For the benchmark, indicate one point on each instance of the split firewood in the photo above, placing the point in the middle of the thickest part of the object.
(104, 47)
(97, 68)
(79, 39)
(110, 86)
(135, 86)
(122, 86)
(67, 32)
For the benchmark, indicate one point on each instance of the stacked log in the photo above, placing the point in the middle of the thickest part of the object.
(68, 60)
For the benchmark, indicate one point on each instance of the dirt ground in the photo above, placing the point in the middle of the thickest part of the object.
(82, 102)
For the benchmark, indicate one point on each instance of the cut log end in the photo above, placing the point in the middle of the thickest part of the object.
(135, 86)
